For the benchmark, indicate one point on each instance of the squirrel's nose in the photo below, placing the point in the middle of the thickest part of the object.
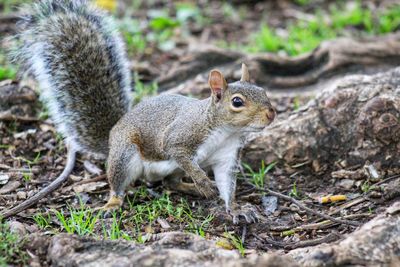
(271, 114)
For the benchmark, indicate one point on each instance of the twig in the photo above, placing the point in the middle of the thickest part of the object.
(306, 243)
(317, 213)
(85, 181)
(385, 180)
(314, 212)
(94, 179)
(270, 241)
(316, 226)
(349, 204)
(363, 197)
(6, 116)
(244, 232)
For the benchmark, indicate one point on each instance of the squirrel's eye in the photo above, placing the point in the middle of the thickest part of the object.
(237, 102)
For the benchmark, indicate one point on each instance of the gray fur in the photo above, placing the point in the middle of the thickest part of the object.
(168, 134)
(78, 58)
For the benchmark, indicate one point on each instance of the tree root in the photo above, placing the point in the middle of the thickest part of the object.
(353, 122)
(270, 70)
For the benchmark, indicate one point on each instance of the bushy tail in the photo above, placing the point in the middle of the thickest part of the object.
(79, 59)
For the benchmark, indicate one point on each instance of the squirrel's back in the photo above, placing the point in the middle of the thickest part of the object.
(78, 58)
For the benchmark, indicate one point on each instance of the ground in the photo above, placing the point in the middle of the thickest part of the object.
(159, 38)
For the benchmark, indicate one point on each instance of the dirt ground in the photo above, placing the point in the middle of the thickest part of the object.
(32, 155)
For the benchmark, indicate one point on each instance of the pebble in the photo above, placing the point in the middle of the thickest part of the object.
(345, 183)
(270, 204)
(4, 178)
(21, 195)
(17, 228)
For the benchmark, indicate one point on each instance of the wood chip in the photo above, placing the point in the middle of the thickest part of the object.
(9, 187)
(334, 198)
(4, 178)
(163, 223)
(89, 187)
(92, 168)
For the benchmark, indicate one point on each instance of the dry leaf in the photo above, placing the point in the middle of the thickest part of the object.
(89, 187)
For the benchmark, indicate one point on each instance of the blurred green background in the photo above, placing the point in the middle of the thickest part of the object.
(158, 32)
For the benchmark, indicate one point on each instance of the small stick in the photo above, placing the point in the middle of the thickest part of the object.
(317, 213)
(306, 243)
(244, 232)
(10, 117)
(363, 197)
(94, 179)
(302, 206)
(385, 180)
(316, 226)
(46, 190)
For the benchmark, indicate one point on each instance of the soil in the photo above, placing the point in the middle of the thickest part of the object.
(32, 155)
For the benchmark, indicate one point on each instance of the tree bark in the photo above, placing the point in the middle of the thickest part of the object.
(374, 244)
(334, 57)
(350, 123)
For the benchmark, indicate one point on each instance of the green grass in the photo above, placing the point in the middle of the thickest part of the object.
(304, 36)
(296, 103)
(302, 2)
(28, 175)
(131, 224)
(132, 32)
(7, 72)
(158, 32)
(11, 247)
(5, 146)
(258, 177)
(35, 160)
(80, 221)
(12, 5)
(366, 186)
(294, 192)
(147, 209)
(197, 226)
(236, 242)
(143, 90)
(42, 220)
(115, 230)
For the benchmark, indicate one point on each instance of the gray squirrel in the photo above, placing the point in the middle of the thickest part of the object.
(79, 60)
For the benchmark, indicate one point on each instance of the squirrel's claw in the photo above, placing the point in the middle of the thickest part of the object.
(113, 204)
(206, 188)
(248, 212)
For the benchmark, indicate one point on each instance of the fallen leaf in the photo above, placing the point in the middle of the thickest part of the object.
(224, 243)
(334, 198)
(9, 187)
(47, 128)
(89, 187)
(4, 178)
(92, 168)
(164, 224)
(24, 134)
(270, 204)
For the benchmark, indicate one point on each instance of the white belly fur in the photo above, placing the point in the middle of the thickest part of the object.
(221, 145)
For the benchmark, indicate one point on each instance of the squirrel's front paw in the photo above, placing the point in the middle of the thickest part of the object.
(113, 204)
(247, 211)
(206, 188)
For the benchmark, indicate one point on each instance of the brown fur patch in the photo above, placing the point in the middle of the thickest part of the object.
(135, 139)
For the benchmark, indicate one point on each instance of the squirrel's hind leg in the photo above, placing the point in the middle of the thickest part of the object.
(175, 183)
(124, 166)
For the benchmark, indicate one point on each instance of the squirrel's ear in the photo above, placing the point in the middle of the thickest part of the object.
(217, 83)
(245, 74)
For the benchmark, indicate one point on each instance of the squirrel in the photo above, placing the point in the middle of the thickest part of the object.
(79, 60)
